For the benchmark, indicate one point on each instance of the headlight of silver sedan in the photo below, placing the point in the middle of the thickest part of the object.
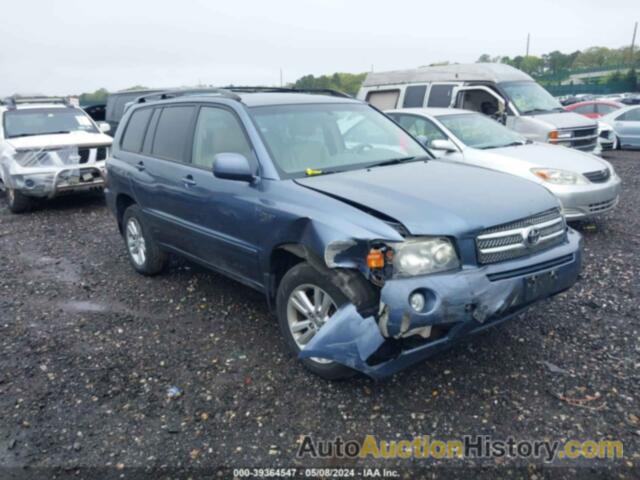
(559, 177)
(421, 256)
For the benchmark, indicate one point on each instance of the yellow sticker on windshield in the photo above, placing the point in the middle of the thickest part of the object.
(311, 171)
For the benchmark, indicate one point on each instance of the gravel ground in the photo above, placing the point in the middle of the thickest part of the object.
(88, 349)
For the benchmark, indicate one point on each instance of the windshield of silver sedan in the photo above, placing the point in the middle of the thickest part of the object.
(46, 121)
(315, 139)
(478, 131)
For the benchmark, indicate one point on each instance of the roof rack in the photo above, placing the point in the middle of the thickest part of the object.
(317, 91)
(228, 92)
(13, 102)
(167, 94)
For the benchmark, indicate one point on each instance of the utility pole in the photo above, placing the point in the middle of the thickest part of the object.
(528, 38)
(633, 41)
(281, 78)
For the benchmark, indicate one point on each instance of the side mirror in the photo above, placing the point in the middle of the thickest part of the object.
(104, 127)
(233, 166)
(443, 145)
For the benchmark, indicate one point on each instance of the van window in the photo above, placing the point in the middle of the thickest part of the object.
(218, 131)
(414, 96)
(383, 99)
(440, 96)
(134, 134)
(171, 134)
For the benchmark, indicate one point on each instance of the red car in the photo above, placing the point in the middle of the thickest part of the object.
(594, 108)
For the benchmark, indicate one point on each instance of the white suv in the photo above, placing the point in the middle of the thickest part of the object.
(47, 147)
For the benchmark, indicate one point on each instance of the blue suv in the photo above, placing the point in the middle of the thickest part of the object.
(373, 254)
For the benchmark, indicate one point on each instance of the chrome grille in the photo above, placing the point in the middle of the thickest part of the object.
(599, 176)
(522, 237)
(581, 138)
(585, 132)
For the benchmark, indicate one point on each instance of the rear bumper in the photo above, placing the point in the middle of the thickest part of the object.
(458, 305)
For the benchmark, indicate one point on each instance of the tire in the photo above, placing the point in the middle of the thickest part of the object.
(18, 202)
(303, 278)
(144, 254)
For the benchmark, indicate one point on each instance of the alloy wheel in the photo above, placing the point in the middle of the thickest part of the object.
(135, 242)
(309, 307)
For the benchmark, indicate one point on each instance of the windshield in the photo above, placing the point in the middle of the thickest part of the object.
(478, 131)
(530, 98)
(43, 121)
(314, 139)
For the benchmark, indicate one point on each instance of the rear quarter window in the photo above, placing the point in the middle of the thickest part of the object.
(136, 128)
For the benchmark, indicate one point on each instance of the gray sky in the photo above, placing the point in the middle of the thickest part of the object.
(71, 46)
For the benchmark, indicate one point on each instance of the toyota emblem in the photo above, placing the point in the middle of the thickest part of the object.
(533, 237)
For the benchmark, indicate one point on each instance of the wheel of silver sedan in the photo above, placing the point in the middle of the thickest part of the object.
(308, 309)
(135, 242)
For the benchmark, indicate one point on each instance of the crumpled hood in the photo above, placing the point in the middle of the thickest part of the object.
(562, 120)
(80, 139)
(437, 197)
(522, 158)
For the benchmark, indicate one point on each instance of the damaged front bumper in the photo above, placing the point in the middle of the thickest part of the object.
(48, 184)
(46, 173)
(458, 304)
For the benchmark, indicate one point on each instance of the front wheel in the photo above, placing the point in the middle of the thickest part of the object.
(18, 202)
(306, 301)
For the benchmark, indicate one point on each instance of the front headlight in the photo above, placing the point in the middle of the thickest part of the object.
(421, 256)
(559, 177)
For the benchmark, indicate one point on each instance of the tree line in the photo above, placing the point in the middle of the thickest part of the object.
(556, 63)
(548, 68)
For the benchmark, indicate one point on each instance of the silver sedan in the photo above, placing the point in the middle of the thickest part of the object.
(626, 125)
(585, 184)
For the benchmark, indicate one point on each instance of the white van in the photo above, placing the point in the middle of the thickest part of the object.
(495, 89)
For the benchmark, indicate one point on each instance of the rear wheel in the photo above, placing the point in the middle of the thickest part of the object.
(306, 301)
(144, 254)
(18, 202)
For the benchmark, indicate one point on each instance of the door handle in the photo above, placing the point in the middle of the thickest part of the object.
(140, 166)
(188, 181)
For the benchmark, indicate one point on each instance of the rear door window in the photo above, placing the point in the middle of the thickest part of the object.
(414, 96)
(136, 128)
(440, 95)
(632, 115)
(172, 132)
(384, 99)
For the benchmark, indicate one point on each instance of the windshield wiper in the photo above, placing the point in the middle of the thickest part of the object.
(24, 135)
(396, 161)
(38, 133)
(543, 110)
